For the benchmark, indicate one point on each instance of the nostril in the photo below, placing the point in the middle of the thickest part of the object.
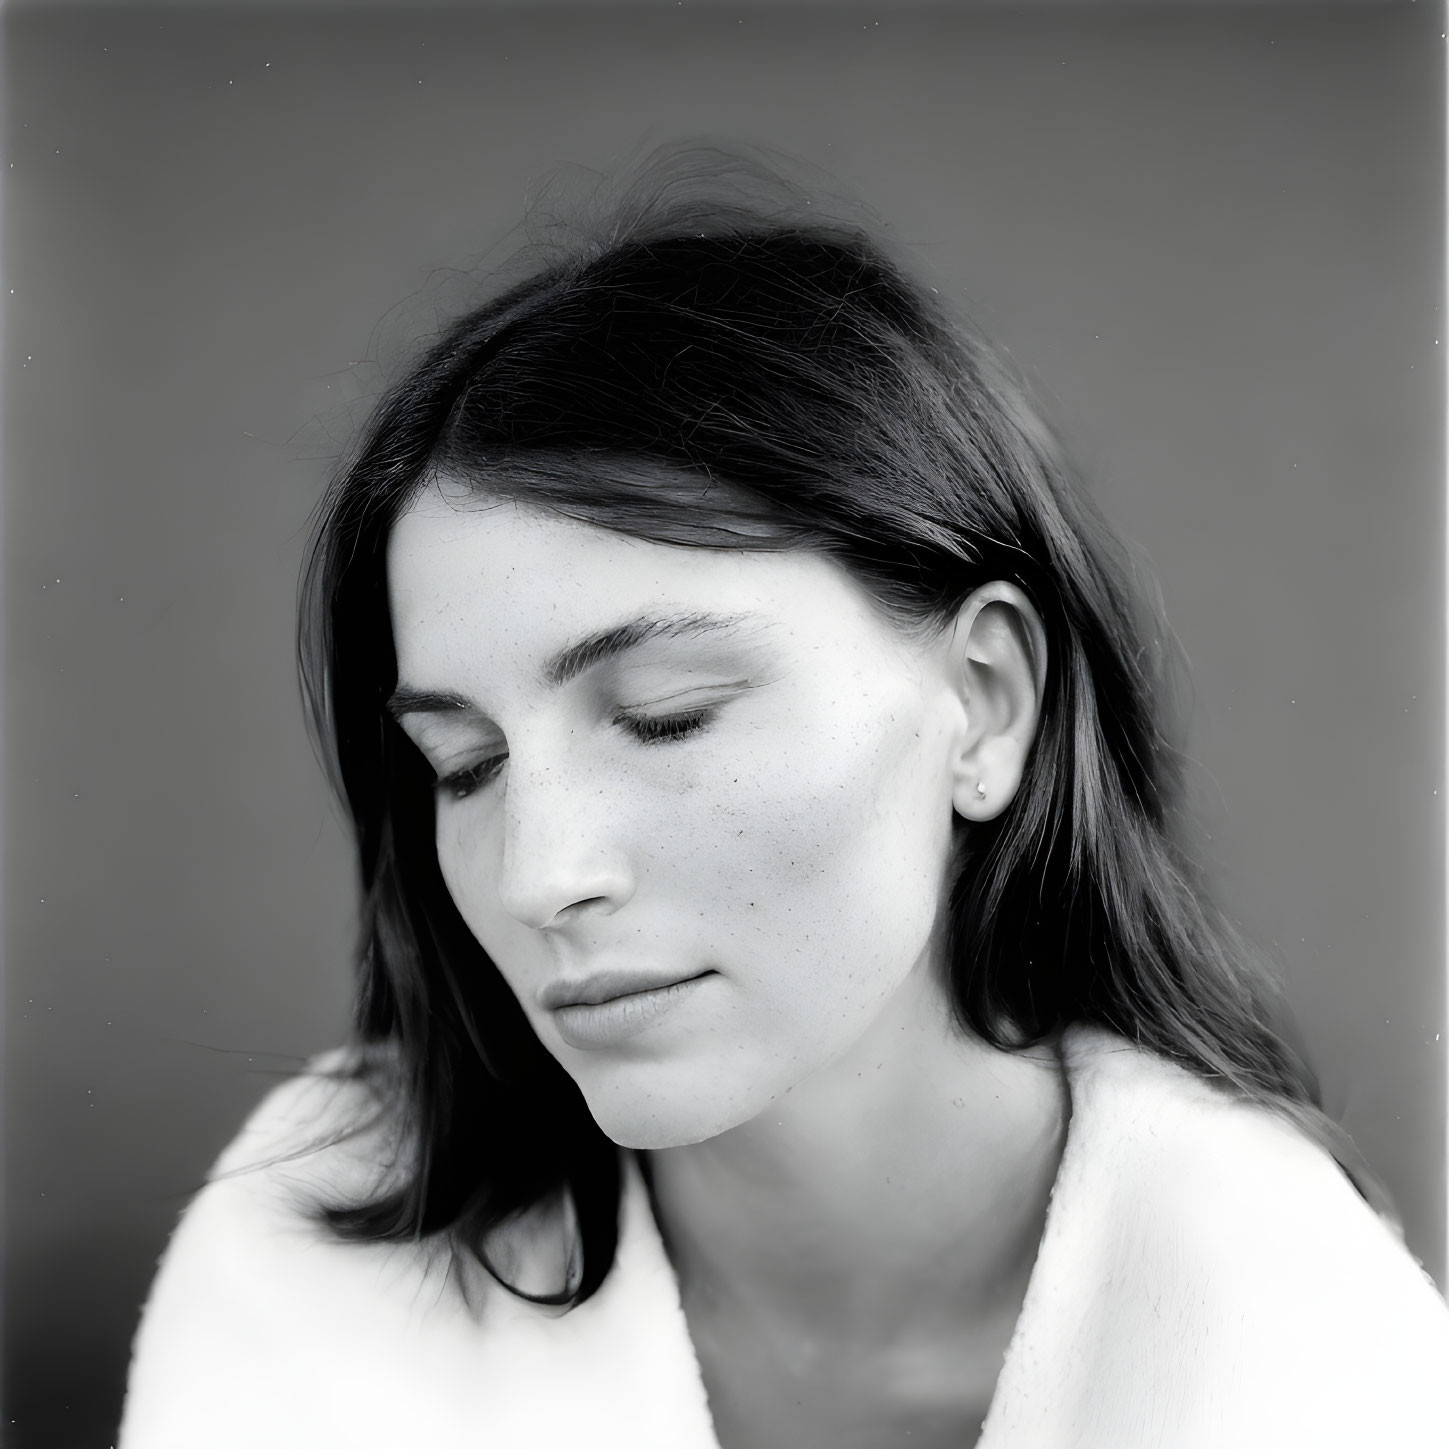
(551, 889)
(590, 905)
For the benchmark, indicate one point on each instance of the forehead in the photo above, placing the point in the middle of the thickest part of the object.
(457, 560)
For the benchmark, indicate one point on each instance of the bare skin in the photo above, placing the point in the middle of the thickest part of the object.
(701, 808)
(852, 1266)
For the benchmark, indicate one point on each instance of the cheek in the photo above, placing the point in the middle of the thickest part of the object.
(463, 860)
(469, 856)
(836, 847)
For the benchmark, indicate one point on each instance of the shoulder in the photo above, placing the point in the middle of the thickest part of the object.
(256, 1295)
(1234, 1254)
(263, 1328)
(1217, 1171)
(330, 1136)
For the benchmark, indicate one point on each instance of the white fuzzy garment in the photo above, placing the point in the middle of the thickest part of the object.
(1207, 1277)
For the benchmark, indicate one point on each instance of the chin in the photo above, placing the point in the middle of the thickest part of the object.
(649, 1121)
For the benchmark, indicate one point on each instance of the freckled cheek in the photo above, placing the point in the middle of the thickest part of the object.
(820, 878)
(809, 814)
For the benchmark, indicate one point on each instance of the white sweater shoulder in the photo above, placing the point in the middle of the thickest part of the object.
(263, 1327)
(1207, 1277)
(1210, 1276)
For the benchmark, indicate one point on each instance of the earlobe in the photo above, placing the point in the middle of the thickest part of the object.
(990, 780)
(999, 662)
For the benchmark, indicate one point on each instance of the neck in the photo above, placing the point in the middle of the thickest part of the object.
(907, 1182)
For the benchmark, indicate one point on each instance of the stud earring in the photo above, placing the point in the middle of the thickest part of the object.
(980, 790)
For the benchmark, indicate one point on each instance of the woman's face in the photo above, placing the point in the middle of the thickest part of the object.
(696, 805)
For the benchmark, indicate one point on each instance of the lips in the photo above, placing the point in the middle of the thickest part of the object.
(606, 986)
(611, 1010)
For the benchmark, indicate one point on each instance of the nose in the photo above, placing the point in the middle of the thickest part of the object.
(563, 856)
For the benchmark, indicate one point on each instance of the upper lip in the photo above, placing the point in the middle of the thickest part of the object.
(606, 986)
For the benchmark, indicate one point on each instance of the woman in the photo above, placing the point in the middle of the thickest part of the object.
(785, 1017)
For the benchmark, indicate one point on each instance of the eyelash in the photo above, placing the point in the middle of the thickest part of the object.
(646, 729)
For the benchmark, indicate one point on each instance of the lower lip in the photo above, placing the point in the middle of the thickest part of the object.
(607, 1023)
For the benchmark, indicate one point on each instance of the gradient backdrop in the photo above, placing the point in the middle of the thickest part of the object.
(1213, 235)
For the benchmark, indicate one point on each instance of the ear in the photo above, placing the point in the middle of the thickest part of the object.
(998, 662)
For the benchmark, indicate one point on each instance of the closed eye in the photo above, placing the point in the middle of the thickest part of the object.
(647, 729)
(460, 784)
(661, 729)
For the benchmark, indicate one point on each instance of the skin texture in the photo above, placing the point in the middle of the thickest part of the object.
(851, 1188)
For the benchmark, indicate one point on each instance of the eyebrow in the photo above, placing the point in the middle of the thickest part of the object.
(575, 659)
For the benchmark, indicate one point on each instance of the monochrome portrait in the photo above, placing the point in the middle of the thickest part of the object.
(724, 724)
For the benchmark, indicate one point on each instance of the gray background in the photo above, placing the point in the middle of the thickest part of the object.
(1214, 236)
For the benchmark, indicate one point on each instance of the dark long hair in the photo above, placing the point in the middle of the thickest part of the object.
(726, 372)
